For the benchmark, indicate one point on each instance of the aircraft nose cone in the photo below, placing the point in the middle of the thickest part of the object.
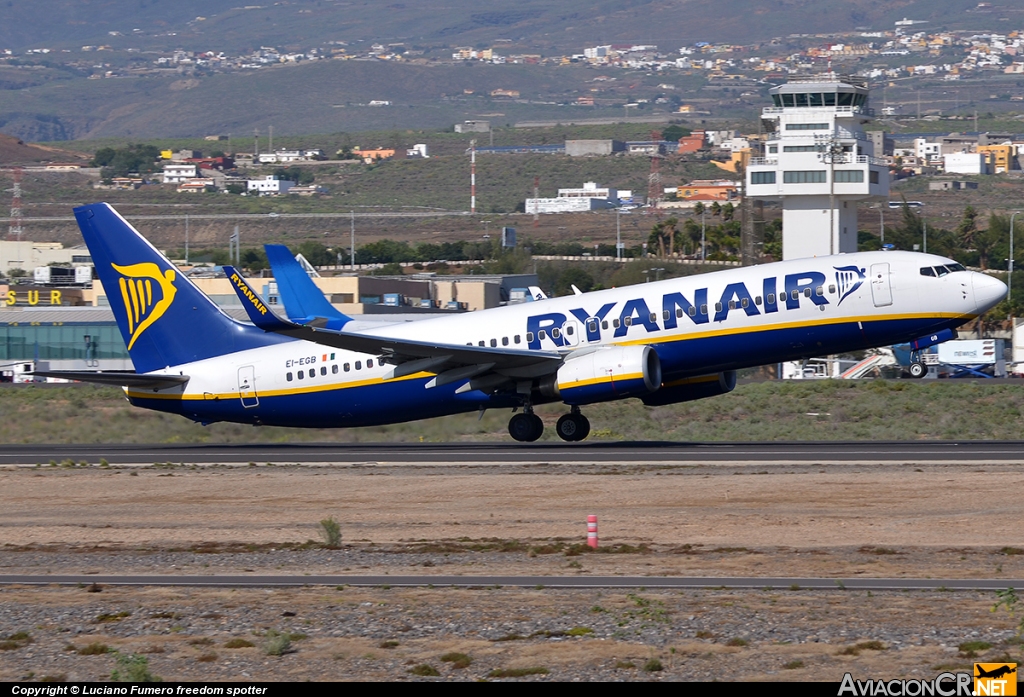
(988, 291)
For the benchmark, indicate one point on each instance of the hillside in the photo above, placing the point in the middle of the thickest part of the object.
(541, 25)
(15, 151)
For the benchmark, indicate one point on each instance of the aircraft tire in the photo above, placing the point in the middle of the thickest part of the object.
(918, 370)
(573, 427)
(525, 428)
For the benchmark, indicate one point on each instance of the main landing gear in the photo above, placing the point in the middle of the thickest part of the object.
(573, 426)
(527, 427)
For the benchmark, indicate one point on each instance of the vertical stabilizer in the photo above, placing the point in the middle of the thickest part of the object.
(303, 301)
(164, 318)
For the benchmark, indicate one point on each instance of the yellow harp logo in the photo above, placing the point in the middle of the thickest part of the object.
(140, 304)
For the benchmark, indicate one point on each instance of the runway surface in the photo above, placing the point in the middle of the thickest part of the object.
(691, 454)
(527, 582)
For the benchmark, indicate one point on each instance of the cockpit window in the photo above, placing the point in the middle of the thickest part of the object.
(955, 267)
(941, 271)
(927, 271)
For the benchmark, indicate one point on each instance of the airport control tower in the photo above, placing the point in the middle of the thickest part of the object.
(818, 162)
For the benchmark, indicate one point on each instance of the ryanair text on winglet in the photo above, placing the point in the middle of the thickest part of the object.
(253, 298)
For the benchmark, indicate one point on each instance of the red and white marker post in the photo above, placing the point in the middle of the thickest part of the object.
(592, 531)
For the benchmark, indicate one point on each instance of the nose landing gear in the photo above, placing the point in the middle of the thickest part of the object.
(573, 426)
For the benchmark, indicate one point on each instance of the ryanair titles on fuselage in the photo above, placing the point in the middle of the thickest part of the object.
(735, 297)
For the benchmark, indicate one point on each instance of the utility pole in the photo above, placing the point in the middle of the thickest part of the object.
(472, 177)
(15, 228)
(352, 248)
(618, 234)
(186, 238)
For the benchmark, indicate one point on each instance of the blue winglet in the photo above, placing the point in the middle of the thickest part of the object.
(260, 315)
(303, 301)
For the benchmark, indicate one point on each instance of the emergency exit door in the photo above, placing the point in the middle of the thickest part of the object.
(247, 386)
(881, 291)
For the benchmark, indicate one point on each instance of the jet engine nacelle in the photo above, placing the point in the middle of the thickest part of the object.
(606, 374)
(689, 389)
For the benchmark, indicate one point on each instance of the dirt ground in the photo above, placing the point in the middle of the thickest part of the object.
(945, 521)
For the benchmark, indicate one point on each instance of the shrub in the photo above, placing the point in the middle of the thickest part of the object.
(94, 649)
(207, 658)
(133, 668)
(458, 660)
(238, 644)
(517, 672)
(793, 665)
(277, 644)
(736, 641)
(389, 644)
(653, 665)
(424, 669)
(580, 631)
(330, 531)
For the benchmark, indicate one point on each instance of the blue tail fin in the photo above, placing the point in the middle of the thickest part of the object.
(164, 319)
(303, 301)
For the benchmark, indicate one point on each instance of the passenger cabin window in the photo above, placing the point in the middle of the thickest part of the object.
(347, 367)
(494, 343)
(515, 339)
(757, 300)
(288, 377)
(604, 324)
(555, 333)
(482, 343)
(832, 289)
(718, 307)
(666, 314)
(807, 292)
(654, 317)
(591, 326)
(359, 365)
(732, 304)
(703, 309)
(323, 370)
(369, 363)
(796, 295)
(300, 374)
(771, 298)
(628, 321)
(569, 330)
(529, 337)
(692, 311)
(615, 323)
(504, 341)
(819, 291)
(542, 335)
(744, 302)
(334, 368)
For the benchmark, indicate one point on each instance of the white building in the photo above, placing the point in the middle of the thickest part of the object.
(818, 162)
(269, 186)
(176, 173)
(966, 163)
(418, 150)
(925, 150)
(589, 190)
(564, 204)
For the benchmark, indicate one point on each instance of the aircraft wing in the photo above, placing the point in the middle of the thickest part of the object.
(119, 379)
(409, 356)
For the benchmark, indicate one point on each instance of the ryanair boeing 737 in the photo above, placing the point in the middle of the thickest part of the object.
(666, 342)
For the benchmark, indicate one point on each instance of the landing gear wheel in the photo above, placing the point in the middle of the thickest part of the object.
(573, 427)
(525, 428)
(918, 370)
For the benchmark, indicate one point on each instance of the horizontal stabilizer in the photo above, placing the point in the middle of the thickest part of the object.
(115, 378)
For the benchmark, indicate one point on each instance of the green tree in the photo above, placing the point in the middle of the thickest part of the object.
(968, 227)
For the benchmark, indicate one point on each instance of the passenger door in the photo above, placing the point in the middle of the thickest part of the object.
(881, 291)
(247, 386)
